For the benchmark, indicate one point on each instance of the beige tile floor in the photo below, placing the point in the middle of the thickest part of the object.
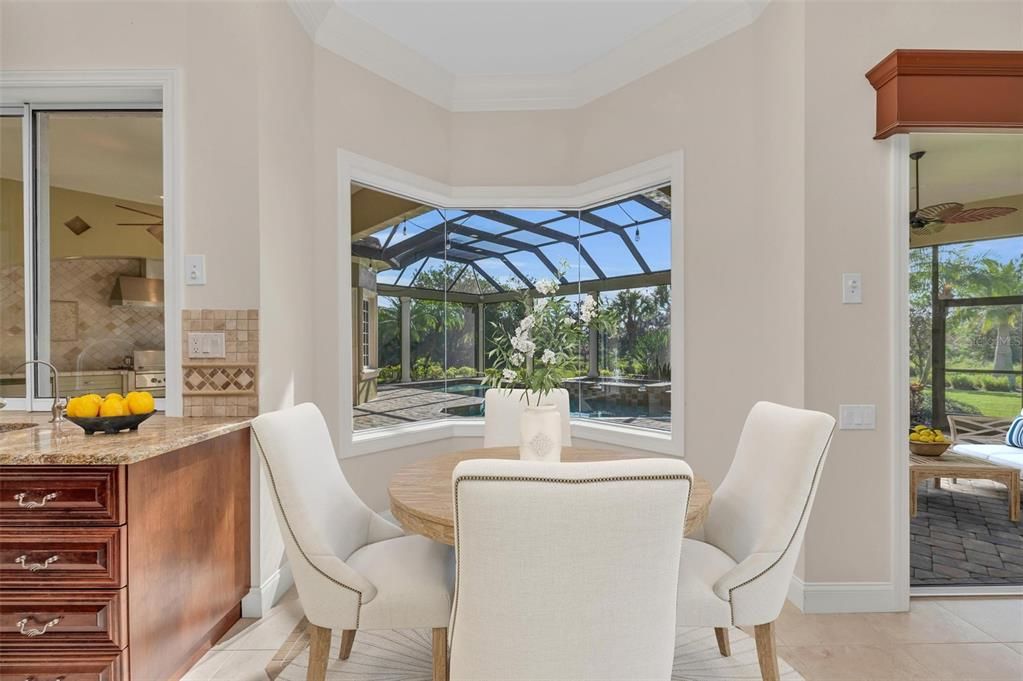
(939, 639)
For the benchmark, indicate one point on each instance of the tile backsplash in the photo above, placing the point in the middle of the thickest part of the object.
(224, 386)
(86, 333)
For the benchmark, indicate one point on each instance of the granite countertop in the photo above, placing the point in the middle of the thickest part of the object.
(67, 444)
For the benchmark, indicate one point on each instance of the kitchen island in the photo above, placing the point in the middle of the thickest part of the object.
(121, 556)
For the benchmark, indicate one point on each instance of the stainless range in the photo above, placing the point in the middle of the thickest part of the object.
(150, 372)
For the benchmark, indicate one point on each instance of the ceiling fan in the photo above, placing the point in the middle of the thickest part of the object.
(154, 228)
(934, 218)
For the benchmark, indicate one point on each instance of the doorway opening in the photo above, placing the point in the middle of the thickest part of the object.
(965, 345)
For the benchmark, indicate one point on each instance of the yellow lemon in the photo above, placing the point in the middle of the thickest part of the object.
(140, 403)
(117, 395)
(83, 407)
(113, 406)
(914, 437)
(72, 406)
(919, 427)
(92, 397)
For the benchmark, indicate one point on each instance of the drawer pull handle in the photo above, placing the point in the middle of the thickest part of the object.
(56, 678)
(31, 632)
(35, 567)
(20, 498)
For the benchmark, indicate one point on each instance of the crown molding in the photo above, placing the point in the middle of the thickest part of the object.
(692, 28)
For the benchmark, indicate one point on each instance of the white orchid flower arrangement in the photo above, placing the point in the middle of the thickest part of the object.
(539, 353)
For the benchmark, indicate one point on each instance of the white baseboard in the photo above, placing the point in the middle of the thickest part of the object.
(840, 597)
(979, 590)
(261, 598)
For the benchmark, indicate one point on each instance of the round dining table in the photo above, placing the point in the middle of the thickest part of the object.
(421, 495)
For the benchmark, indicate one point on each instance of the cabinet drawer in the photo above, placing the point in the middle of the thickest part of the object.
(62, 619)
(82, 385)
(59, 495)
(62, 557)
(65, 666)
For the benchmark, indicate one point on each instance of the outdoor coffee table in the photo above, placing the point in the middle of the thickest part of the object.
(951, 465)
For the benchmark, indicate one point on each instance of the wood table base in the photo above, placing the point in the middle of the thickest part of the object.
(952, 465)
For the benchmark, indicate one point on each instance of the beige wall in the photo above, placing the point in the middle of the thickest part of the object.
(784, 191)
(212, 42)
(847, 182)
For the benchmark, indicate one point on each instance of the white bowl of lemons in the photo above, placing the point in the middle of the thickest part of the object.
(110, 414)
(928, 441)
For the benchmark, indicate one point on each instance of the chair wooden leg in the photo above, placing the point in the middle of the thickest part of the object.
(347, 639)
(319, 652)
(767, 655)
(724, 644)
(440, 654)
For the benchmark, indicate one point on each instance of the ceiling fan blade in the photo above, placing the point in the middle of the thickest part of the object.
(939, 211)
(979, 214)
(136, 210)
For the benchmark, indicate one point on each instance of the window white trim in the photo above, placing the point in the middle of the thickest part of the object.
(355, 168)
(116, 88)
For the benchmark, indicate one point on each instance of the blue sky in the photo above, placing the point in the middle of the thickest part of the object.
(606, 248)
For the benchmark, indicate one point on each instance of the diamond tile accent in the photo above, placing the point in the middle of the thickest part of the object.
(227, 386)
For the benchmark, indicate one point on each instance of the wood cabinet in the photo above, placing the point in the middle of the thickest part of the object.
(109, 573)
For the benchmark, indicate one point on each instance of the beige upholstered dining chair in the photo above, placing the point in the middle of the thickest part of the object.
(353, 569)
(740, 573)
(502, 411)
(566, 571)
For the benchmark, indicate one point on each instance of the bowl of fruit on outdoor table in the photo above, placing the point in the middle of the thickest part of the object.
(110, 414)
(927, 441)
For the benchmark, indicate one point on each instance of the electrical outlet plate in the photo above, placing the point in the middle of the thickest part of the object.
(857, 417)
(206, 345)
(852, 288)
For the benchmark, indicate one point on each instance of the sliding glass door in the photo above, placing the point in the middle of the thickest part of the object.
(91, 302)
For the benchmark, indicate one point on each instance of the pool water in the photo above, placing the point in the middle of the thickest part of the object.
(594, 412)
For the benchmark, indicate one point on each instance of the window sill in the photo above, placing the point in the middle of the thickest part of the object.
(383, 439)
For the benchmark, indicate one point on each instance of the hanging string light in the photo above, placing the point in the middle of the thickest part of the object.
(622, 208)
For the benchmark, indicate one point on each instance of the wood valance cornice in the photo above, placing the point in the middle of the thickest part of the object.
(947, 89)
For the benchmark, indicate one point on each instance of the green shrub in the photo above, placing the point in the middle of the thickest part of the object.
(997, 384)
(425, 369)
(964, 382)
(389, 374)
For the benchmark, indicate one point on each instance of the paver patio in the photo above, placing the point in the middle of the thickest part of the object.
(962, 536)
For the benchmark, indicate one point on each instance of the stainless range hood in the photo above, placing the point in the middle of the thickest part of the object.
(143, 291)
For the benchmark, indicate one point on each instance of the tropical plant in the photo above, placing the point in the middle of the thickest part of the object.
(544, 345)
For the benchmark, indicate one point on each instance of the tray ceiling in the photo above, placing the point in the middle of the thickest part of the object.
(504, 55)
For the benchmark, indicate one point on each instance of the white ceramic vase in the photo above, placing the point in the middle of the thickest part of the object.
(540, 433)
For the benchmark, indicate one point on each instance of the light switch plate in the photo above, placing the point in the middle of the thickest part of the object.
(205, 345)
(852, 288)
(857, 417)
(195, 270)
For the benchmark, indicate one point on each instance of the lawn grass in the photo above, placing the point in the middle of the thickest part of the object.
(1000, 405)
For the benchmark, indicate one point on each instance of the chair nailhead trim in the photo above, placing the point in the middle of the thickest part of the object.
(566, 481)
(806, 505)
(284, 514)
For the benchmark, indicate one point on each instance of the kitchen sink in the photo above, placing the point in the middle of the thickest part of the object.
(8, 427)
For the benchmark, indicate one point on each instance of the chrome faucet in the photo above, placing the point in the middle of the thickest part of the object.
(57, 410)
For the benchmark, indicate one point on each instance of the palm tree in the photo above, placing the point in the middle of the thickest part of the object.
(997, 279)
